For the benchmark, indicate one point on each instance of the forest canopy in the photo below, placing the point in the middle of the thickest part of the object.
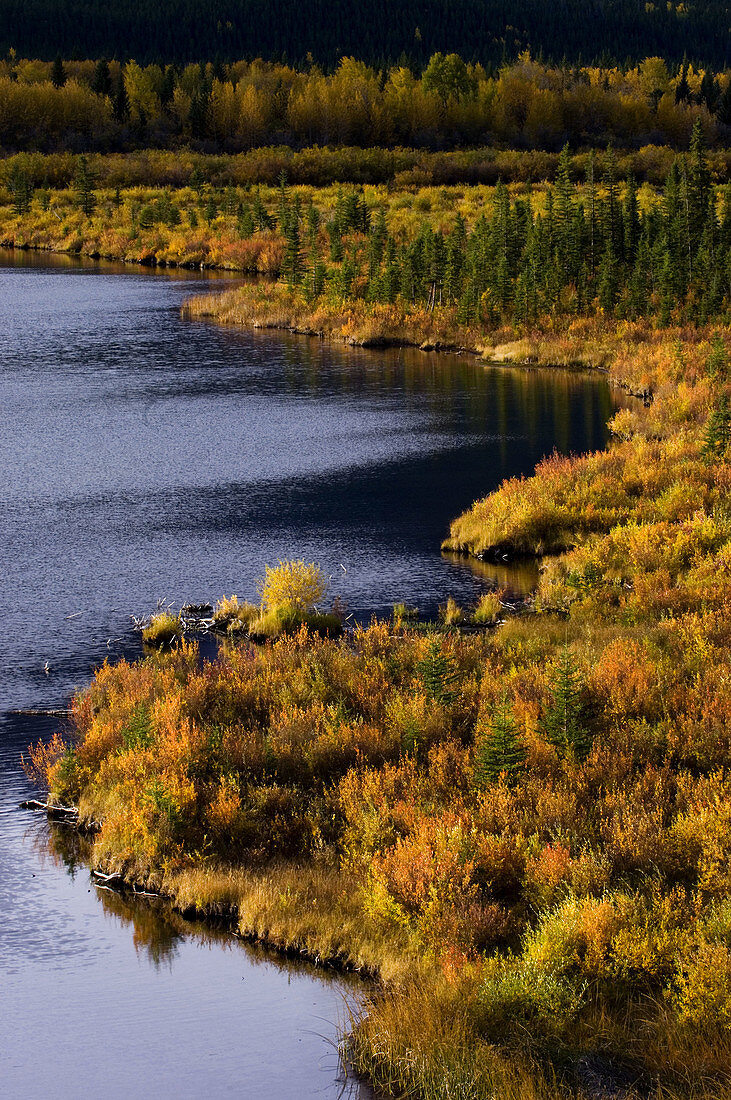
(108, 106)
(480, 30)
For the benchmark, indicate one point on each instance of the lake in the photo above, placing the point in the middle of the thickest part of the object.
(146, 457)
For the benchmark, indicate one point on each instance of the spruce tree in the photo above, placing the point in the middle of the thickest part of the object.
(84, 182)
(709, 91)
(335, 237)
(244, 221)
(717, 362)
(211, 209)
(564, 723)
(438, 674)
(101, 82)
(313, 224)
(565, 211)
(21, 190)
(699, 185)
(630, 219)
(612, 219)
(682, 88)
(608, 279)
(120, 101)
(262, 219)
(718, 429)
(592, 209)
(723, 114)
(58, 72)
(500, 751)
(293, 264)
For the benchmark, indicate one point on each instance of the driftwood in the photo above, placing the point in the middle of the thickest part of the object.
(115, 879)
(50, 809)
(119, 884)
(44, 712)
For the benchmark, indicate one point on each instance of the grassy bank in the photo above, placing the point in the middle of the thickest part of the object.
(526, 832)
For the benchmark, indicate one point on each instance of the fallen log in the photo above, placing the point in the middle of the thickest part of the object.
(109, 880)
(43, 712)
(50, 809)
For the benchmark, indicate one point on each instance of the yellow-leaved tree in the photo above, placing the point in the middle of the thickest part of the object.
(297, 584)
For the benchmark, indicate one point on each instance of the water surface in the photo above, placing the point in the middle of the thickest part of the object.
(141, 457)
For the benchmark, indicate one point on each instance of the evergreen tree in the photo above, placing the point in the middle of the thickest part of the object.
(709, 92)
(198, 114)
(101, 82)
(565, 213)
(167, 87)
(315, 280)
(244, 221)
(313, 224)
(564, 722)
(438, 674)
(262, 219)
(723, 113)
(211, 209)
(283, 208)
(21, 190)
(120, 102)
(293, 264)
(630, 219)
(84, 181)
(717, 362)
(718, 429)
(377, 243)
(698, 184)
(58, 72)
(336, 241)
(500, 751)
(612, 220)
(592, 209)
(682, 88)
(608, 280)
(391, 274)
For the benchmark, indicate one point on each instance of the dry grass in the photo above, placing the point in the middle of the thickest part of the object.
(313, 910)
(163, 630)
(419, 1040)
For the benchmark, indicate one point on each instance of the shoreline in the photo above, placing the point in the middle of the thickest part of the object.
(146, 260)
(275, 307)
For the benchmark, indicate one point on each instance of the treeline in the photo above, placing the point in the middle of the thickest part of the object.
(105, 106)
(583, 248)
(488, 30)
(317, 166)
(582, 244)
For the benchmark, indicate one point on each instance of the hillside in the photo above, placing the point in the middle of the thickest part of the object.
(485, 30)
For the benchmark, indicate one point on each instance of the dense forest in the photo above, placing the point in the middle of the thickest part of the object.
(577, 250)
(585, 243)
(218, 107)
(482, 30)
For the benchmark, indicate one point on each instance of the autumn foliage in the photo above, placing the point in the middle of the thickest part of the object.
(539, 813)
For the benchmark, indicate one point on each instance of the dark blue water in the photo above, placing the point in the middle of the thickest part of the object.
(143, 456)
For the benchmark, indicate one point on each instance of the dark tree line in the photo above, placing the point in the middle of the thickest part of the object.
(485, 30)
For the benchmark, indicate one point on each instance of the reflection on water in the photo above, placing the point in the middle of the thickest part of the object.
(515, 578)
(130, 994)
(143, 456)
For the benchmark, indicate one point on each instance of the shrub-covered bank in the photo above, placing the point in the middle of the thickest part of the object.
(527, 831)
